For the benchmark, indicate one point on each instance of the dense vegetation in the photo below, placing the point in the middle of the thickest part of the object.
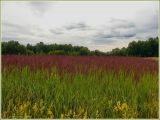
(49, 86)
(147, 48)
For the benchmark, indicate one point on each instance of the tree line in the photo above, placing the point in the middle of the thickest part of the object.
(14, 47)
(148, 48)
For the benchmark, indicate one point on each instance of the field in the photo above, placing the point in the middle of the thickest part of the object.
(45, 86)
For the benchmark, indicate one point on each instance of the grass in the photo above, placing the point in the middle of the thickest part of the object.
(153, 58)
(100, 94)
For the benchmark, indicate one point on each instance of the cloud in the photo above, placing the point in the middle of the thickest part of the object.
(57, 31)
(11, 28)
(22, 33)
(77, 26)
(148, 27)
(101, 41)
(115, 35)
(39, 8)
(11, 25)
(120, 23)
(21, 29)
(112, 30)
(109, 38)
(116, 29)
(107, 24)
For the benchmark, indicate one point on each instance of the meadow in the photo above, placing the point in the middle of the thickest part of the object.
(50, 86)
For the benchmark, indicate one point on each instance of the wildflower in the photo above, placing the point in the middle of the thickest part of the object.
(49, 113)
(21, 108)
(81, 111)
(74, 114)
(97, 114)
(70, 112)
(25, 115)
(124, 115)
(124, 106)
(25, 106)
(35, 108)
(115, 108)
(122, 109)
(119, 105)
(41, 109)
(85, 115)
(62, 116)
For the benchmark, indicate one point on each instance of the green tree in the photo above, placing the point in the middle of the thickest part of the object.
(84, 51)
(13, 47)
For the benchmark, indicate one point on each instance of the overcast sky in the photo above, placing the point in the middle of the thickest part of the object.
(102, 25)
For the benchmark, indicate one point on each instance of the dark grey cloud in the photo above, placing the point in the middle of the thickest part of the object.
(111, 38)
(104, 36)
(77, 26)
(101, 40)
(129, 35)
(119, 23)
(117, 31)
(126, 35)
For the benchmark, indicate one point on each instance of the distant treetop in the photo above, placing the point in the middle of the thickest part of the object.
(148, 48)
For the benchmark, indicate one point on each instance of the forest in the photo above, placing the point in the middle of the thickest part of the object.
(148, 48)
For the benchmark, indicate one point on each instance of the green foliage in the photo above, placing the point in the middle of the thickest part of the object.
(98, 53)
(59, 52)
(147, 48)
(84, 51)
(101, 94)
(13, 47)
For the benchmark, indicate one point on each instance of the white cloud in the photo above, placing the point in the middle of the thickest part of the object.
(101, 25)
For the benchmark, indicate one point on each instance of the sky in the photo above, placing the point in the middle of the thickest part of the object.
(101, 25)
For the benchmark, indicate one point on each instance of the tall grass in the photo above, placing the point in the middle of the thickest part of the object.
(101, 94)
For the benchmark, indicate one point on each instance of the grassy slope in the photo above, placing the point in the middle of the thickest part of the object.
(95, 95)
